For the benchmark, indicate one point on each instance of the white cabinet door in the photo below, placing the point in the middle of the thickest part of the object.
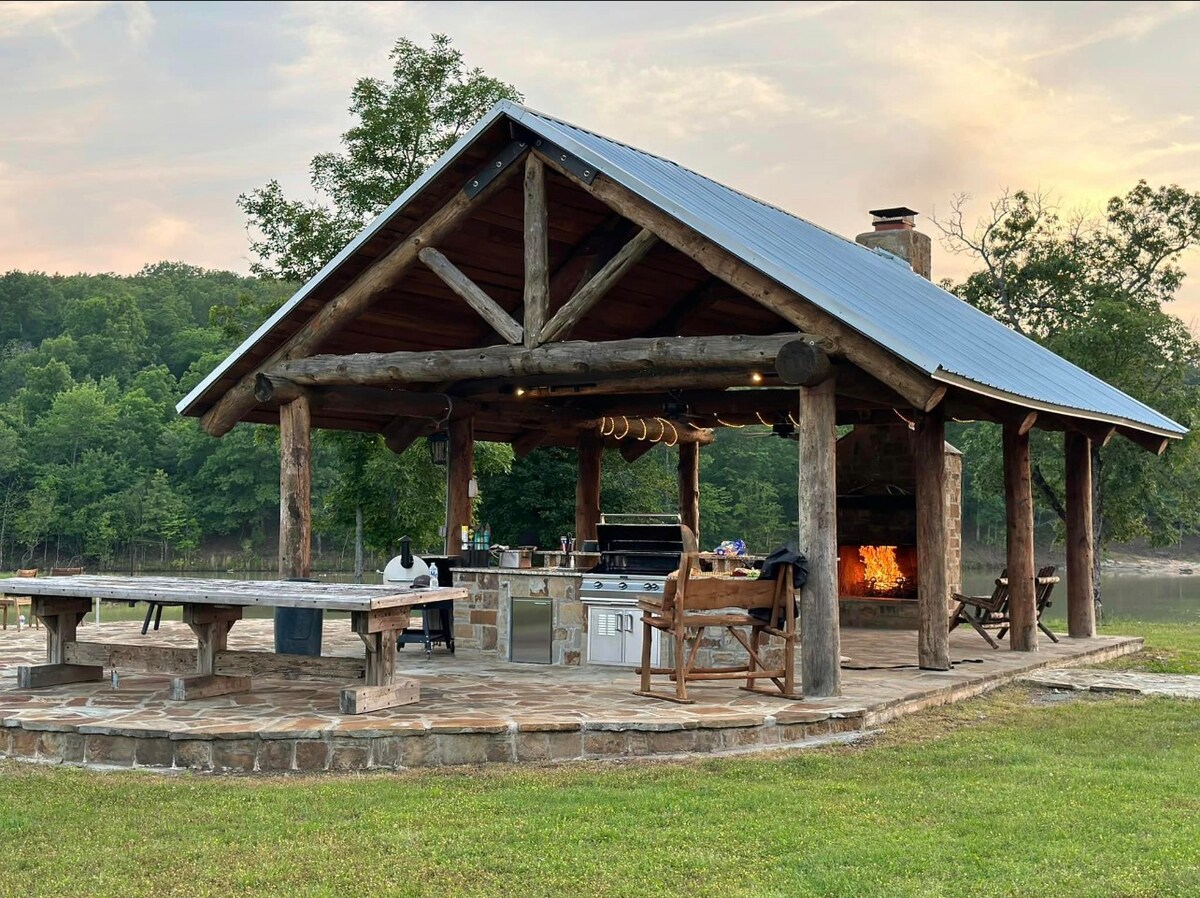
(606, 634)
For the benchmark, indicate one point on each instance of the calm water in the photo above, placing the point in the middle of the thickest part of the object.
(1140, 596)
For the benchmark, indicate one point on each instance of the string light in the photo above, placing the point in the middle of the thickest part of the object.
(626, 431)
(763, 421)
(727, 424)
(520, 391)
(795, 423)
(755, 377)
(911, 424)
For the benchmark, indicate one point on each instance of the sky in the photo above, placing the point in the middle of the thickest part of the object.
(127, 130)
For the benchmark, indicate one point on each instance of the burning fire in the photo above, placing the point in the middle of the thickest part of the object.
(882, 574)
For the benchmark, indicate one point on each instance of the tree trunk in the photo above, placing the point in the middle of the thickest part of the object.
(358, 543)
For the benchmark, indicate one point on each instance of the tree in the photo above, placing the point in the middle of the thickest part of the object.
(1093, 291)
(401, 128)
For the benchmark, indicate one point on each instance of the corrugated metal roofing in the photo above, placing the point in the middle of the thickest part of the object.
(913, 318)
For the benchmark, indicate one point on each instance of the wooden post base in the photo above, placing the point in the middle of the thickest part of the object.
(364, 699)
(33, 676)
(206, 686)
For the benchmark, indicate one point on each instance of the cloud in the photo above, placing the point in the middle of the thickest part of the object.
(1139, 21)
(50, 16)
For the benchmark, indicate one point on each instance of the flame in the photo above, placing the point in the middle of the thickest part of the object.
(882, 572)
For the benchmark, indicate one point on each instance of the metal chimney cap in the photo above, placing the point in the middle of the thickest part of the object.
(896, 212)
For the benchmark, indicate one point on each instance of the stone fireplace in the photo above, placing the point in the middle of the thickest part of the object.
(878, 571)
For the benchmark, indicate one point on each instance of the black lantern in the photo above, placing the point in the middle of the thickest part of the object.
(439, 444)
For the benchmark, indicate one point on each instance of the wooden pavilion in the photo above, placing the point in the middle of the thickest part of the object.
(543, 285)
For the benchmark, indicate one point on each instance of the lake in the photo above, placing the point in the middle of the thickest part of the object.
(1147, 597)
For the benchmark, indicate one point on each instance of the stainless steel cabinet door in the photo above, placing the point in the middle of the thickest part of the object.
(607, 634)
(532, 630)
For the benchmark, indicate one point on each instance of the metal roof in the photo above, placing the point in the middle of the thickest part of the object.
(872, 292)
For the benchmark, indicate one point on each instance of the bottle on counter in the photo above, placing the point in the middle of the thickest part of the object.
(433, 574)
(487, 536)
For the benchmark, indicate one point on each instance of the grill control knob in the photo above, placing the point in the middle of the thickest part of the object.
(622, 585)
(648, 586)
(597, 585)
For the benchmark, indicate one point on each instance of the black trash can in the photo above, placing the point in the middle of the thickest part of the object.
(298, 630)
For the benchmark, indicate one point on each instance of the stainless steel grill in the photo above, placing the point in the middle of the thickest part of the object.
(636, 554)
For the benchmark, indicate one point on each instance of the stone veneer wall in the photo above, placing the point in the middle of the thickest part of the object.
(481, 622)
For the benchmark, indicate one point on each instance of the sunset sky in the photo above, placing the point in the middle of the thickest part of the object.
(129, 129)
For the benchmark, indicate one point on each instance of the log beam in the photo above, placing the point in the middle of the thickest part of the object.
(1151, 442)
(1018, 503)
(916, 386)
(357, 297)
(820, 647)
(689, 487)
(537, 251)
(933, 586)
(804, 363)
(590, 449)
(458, 483)
(489, 310)
(295, 489)
(1081, 609)
(646, 356)
(586, 297)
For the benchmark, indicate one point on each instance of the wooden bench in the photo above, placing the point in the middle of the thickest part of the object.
(211, 608)
(19, 602)
(690, 605)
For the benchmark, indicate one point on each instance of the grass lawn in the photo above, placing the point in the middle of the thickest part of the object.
(1016, 793)
(1006, 795)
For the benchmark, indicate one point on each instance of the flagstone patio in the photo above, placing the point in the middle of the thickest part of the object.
(471, 710)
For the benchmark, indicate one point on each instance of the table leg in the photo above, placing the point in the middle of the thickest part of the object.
(211, 624)
(61, 617)
(379, 631)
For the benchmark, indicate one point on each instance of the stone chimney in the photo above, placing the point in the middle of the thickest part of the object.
(894, 232)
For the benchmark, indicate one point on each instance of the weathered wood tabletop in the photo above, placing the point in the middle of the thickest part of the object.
(265, 593)
(378, 614)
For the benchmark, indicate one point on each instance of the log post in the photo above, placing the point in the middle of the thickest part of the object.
(933, 586)
(689, 487)
(820, 649)
(590, 449)
(1081, 609)
(458, 481)
(295, 489)
(537, 251)
(1018, 503)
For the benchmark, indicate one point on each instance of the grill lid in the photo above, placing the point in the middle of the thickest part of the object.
(629, 547)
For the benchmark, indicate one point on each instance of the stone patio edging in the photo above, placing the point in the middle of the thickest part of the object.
(480, 740)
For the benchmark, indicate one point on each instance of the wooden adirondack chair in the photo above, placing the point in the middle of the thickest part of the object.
(985, 612)
(690, 605)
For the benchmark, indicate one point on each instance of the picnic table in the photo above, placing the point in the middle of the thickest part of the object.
(378, 614)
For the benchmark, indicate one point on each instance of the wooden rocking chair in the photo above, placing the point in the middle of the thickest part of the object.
(691, 605)
(993, 612)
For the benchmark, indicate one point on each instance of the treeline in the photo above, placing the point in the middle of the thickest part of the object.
(96, 466)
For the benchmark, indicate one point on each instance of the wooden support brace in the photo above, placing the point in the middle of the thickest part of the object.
(537, 251)
(593, 291)
(365, 699)
(206, 686)
(34, 676)
(489, 310)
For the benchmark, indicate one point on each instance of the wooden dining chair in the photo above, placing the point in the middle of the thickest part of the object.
(19, 602)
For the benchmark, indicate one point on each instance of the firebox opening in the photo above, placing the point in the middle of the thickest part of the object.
(877, 571)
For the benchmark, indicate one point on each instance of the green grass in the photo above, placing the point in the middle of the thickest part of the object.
(1003, 796)
(1172, 648)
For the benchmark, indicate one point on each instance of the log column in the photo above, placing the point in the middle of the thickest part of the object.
(1081, 608)
(820, 647)
(458, 481)
(689, 487)
(1018, 502)
(933, 587)
(587, 487)
(295, 489)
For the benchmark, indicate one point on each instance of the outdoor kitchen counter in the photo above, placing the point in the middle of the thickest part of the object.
(481, 620)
